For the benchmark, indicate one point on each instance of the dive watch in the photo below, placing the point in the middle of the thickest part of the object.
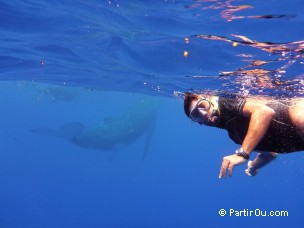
(242, 153)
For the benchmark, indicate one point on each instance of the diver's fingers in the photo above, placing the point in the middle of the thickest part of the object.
(224, 167)
(230, 168)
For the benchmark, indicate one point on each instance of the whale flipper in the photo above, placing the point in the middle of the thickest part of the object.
(67, 131)
(148, 138)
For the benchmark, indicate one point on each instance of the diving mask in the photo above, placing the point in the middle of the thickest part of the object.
(200, 111)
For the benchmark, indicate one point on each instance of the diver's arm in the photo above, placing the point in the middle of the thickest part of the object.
(262, 159)
(260, 118)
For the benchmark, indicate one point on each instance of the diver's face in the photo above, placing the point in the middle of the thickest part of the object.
(201, 110)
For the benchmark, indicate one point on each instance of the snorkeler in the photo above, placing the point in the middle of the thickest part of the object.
(266, 126)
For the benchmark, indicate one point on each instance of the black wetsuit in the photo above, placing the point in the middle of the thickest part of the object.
(282, 136)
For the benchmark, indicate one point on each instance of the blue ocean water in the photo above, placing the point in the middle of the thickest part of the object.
(89, 61)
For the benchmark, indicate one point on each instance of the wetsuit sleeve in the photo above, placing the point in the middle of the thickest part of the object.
(240, 103)
(232, 105)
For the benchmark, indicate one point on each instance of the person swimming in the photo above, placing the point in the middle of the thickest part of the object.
(267, 126)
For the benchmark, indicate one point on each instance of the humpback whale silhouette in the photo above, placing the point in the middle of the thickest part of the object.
(114, 132)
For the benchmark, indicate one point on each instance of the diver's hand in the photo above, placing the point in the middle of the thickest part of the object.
(229, 162)
(251, 170)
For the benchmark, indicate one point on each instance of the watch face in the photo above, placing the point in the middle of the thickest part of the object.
(242, 153)
(239, 151)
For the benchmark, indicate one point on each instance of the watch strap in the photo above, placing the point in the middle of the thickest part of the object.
(242, 153)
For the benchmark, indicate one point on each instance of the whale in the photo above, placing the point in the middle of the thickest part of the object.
(112, 133)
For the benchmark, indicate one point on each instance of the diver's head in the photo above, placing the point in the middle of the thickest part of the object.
(201, 108)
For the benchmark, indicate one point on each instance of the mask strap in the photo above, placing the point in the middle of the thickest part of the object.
(215, 114)
(214, 101)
